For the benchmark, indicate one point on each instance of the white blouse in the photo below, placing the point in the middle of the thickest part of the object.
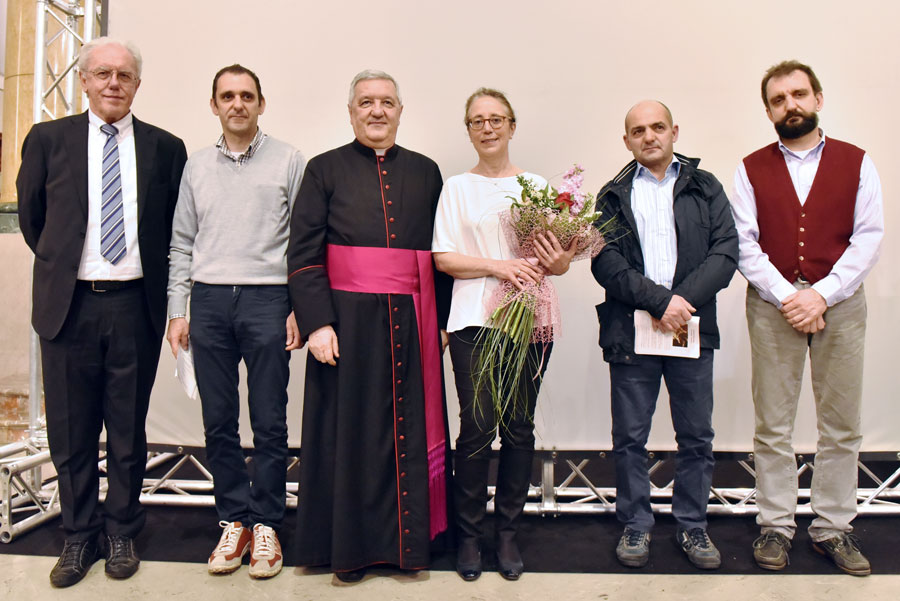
(468, 223)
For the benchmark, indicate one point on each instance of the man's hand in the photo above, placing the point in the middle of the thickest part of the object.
(814, 327)
(323, 344)
(677, 314)
(553, 257)
(178, 334)
(293, 340)
(803, 309)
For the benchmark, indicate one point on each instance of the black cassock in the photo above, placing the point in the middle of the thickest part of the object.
(364, 495)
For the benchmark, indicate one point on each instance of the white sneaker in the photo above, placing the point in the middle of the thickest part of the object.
(265, 556)
(233, 545)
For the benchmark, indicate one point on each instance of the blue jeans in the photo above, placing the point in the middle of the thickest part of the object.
(230, 323)
(635, 387)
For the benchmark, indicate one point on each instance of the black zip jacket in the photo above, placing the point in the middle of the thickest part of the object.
(707, 246)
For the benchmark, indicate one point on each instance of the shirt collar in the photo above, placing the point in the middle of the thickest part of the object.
(122, 125)
(672, 170)
(247, 154)
(814, 152)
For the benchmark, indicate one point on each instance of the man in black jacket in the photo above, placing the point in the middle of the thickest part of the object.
(675, 247)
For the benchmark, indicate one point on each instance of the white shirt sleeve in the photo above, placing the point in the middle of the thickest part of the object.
(865, 242)
(753, 263)
(446, 222)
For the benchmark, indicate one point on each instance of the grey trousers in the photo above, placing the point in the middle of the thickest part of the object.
(836, 359)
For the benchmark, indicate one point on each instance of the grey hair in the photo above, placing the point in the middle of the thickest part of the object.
(86, 50)
(373, 74)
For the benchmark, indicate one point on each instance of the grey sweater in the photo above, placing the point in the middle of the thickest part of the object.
(232, 221)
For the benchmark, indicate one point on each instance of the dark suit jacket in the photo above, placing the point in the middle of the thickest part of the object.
(53, 212)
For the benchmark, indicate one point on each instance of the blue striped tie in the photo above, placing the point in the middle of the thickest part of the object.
(112, 215)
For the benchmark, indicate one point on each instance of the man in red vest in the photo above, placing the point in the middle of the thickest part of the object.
(808, 212)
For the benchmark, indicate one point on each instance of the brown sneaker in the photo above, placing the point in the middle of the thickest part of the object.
(770, 551)
(233, 545)
(844, 551)
(265, 556)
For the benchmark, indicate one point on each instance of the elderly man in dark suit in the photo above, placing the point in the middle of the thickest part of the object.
(97, 192)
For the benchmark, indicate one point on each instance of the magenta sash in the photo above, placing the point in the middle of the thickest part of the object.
(377, 270)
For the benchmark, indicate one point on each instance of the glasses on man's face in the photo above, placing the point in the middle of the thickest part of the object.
(495, 122)
(126, 78)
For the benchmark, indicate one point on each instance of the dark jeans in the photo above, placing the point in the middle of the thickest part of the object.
(99, 371)
(477, 430)
(229, 323)
(635, 387)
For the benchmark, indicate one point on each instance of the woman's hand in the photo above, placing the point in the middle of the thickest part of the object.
(517, 271)
(553, 257)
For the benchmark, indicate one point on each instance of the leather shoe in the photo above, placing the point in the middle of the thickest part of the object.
(509, 560)
(351, 576)
(468, 559)
(76, 559)
(121, 559)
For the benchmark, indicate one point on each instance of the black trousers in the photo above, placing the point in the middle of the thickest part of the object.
(98, 372)
(477, 430)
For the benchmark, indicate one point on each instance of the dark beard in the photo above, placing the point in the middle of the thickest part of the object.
(808, 122)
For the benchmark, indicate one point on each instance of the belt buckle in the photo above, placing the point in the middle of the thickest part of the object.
(94, 287)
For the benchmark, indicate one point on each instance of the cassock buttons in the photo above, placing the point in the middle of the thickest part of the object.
(396, 327)
(387, 186)
(393, 236)
(802, 229)
(406, 512)
(403, 474)
(391, 220)
(390, 202)
(402, 455)
(384, 173)
(399, 381)
(801, 257)
(400, 419)
(400, 399)
(399, 363)
(406, 531)
(381, 159)
(801, 243)
(408, 550)
(405, 493)
(395, 309)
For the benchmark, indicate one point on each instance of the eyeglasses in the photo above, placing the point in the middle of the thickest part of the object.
(126, 78)
(495, 121)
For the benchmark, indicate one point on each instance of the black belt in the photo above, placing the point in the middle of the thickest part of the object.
(108, 285)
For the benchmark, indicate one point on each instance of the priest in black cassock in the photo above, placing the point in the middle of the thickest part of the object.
(374, 441)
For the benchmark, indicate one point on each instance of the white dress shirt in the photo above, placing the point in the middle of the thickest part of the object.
(93, 265)
(652, 202)
(858, 259)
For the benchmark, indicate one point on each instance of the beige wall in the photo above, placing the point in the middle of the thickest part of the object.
(571, 69)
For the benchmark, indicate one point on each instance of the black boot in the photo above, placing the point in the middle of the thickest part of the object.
(513, 479)
(470, 497)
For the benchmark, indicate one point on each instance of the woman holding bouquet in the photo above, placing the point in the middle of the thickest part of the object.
(469, 245)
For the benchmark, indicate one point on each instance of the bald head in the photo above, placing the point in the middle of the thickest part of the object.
(643, 105)
(650, 135)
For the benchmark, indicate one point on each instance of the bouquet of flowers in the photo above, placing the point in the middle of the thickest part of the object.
(520, 317)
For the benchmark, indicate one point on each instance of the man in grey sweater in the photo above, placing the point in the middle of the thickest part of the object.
(229, 239)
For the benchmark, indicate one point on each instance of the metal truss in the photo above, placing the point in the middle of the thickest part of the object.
(577, 494)
(27, 501)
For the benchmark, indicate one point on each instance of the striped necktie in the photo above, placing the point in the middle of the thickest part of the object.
(112, 214)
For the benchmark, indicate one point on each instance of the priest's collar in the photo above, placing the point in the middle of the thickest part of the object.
(390, 153)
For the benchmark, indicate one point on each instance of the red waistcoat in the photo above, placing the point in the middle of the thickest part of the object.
(805, 240)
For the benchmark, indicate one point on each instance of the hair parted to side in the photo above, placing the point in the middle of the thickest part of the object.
(84, 57)
(373, 74)
(237, 69)
(493, 93)
(786, 68)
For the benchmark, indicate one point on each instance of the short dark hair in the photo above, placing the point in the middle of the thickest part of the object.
(786, 68)
(237, 69)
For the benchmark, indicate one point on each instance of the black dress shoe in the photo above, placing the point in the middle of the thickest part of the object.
(351, 576)
(468, 559)
(121, 560)
(509, 560)
(76, 559)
